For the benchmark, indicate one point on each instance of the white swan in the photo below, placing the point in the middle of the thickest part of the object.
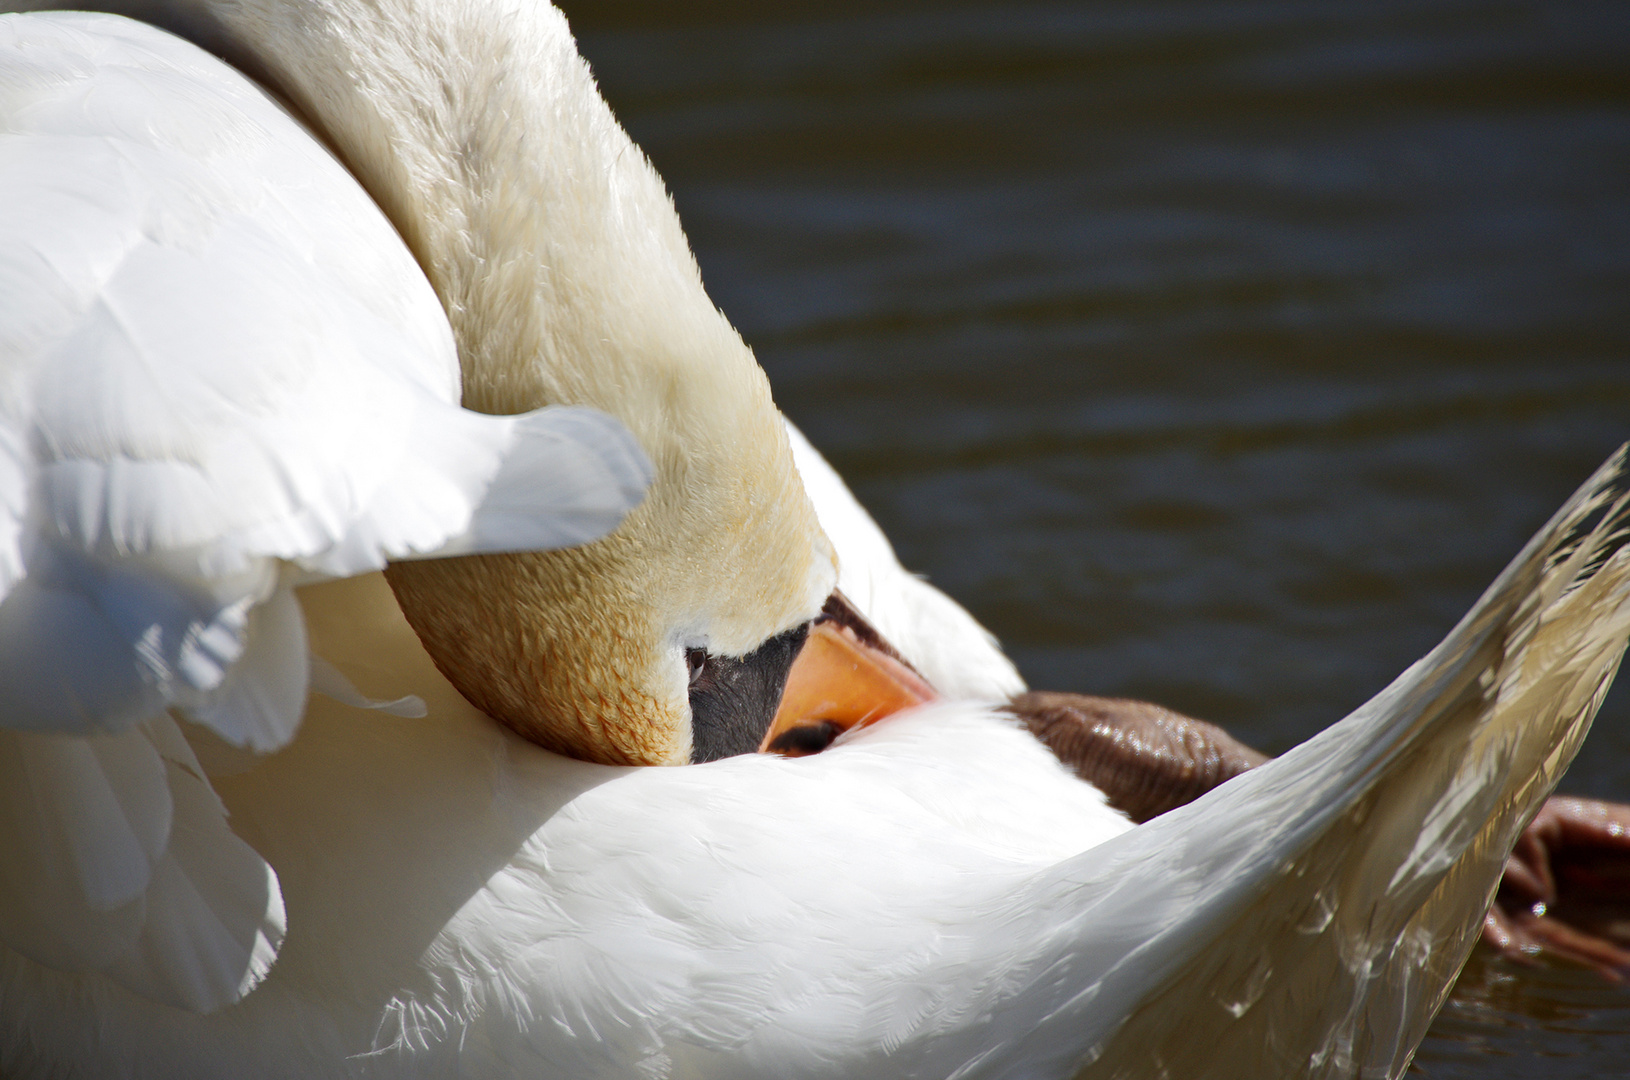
(933, 896)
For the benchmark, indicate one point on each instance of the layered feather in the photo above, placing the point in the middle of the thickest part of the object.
(934, 896)
(221, 374)
(1308, 918)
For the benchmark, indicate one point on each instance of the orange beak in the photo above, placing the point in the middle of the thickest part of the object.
(846, 676)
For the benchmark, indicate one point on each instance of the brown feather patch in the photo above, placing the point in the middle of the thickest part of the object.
(1146, 759)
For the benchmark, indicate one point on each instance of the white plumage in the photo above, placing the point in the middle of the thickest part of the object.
(933, 896)
(221, 374)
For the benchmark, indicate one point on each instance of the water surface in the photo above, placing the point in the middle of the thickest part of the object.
(1217, 353)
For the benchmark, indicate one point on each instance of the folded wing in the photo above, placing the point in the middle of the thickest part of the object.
(1308, 918)
(221, 374)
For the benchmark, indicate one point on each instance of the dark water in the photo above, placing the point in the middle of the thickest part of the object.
(1215, 353)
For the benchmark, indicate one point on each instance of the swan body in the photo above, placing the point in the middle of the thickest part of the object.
(932, 896)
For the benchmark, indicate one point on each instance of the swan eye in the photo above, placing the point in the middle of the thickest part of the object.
(695, 664)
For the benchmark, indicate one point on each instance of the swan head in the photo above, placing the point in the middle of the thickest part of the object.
(568, 280)
(610, 652)
(558, 257)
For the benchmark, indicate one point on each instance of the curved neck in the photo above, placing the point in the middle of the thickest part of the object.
(563, 270)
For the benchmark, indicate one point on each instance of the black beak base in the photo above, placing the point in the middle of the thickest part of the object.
(733, 701)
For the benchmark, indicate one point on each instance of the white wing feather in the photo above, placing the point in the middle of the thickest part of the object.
(1308, 918)
(216, 354)
(221, 374)
(119, 860)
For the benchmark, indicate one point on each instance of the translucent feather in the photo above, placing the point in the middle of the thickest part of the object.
(1308, 918)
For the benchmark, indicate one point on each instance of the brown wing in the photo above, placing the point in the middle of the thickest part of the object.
(1146, 759)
